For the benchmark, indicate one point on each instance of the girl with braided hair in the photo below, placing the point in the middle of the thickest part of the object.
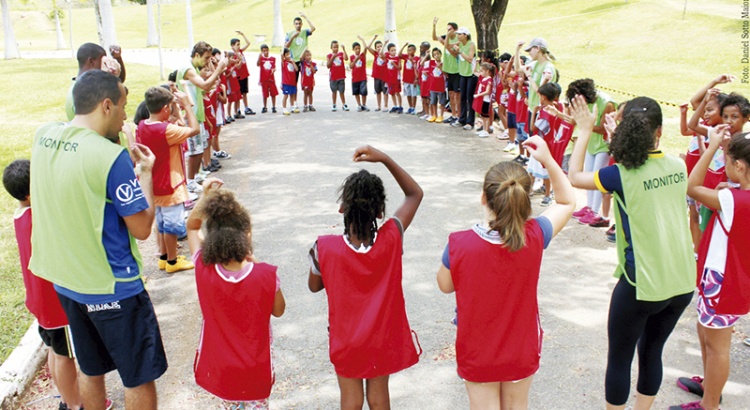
(369, 333)
(494, 270)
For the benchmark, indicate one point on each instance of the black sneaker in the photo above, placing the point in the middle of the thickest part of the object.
(239, 115)
(248, 111)
(521, 160)
(273, 110)
(211, 168)
(264, 110)
(215, 162)
(230, 120)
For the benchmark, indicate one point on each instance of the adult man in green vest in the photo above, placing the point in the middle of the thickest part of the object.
(89, 209)
(450, 67)
(90, 57)
(296, 40)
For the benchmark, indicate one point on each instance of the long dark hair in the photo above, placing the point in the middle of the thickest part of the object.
(635, 136)
(228, 228)
(362, 201)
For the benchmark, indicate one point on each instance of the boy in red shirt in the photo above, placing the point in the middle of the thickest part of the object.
(267, 82)
(243, 73)
(409, 76)
(289, 71)
(358, 65)
(41, 297)
(337, 73)
(379, 73)
(393, 76)
(309, 68)
(164, 140)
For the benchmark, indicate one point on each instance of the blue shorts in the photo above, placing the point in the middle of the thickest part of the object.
(170, 219)
(437, 98)
(521, 134)
(288, 89)
(411, 90)
(122, 335)
(359, 88)
(511, 120)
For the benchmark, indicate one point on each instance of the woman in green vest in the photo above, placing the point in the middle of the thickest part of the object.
(656, 266)
(468, 85)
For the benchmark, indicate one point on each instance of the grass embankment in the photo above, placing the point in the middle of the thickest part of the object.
(34, 93)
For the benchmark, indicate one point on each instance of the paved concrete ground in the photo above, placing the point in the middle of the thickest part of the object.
(287, 170)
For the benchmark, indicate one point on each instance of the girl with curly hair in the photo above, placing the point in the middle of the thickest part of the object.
(656, 266)
(494, 270)
(369, 333)
(237, 294)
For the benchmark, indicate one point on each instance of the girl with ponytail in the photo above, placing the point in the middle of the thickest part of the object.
(656, 268)
(494, 270)
(369, 333)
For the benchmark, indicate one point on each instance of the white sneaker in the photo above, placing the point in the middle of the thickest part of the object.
(286, 112)
(199, 178)
(295, 109)
(515, 150)
(508, 147)
(467, 127)
(483, 134)
(424, 117)
(193, 187)
(334, 108)
(345, 107)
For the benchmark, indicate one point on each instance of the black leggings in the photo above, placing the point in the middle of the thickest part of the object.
(468, 87)
(645, 324)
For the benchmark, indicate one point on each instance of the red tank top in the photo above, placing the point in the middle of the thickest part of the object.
(41, 297)
(368, 329)
(233, 360)
(499, 336)
(563, 133)
(153, 135)
(735, 289)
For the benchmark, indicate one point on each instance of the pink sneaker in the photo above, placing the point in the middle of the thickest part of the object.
(696, 405)
(589, 218)
(582, 212)
(108, 404)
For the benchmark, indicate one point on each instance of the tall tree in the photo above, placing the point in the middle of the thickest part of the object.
(56, 15)
(488, 16)
(152, 38)
(391, 35)
(189, 17)
(278, 26)
(11, 47)
(105, 23)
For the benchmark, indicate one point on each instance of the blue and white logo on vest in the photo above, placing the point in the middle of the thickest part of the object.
(129, 192)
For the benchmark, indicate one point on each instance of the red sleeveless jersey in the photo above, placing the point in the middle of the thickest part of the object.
(735, 289)
(233, 360)
(563, 133)
(483, 85)
(153, 135)
(41, 297)
(369, 331)
(499, 336)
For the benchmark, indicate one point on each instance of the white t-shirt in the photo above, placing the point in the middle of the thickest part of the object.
(716, 258)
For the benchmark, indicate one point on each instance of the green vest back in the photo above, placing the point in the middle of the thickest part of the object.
(450, 63)
(597, 143)
(662, 247)
(537, 72)
(298, 45)
(196, 93)
(465, 68)
(69, 170)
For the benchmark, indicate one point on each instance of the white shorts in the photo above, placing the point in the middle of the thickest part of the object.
(198, 143)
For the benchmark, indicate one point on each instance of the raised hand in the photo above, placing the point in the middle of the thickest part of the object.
(143, 156)
(367, 153)
(585, 119)
(538, 149)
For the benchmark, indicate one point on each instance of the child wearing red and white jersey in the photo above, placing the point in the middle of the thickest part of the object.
(243, 74)
(423, 79)
(267, 64)
(234, 94)
(436, 84)
(494, 267)
(544, 124)
(409, 76)
(379, 74)
(393, 76)
(337, 73)
(289, 71)
(369, 333)
(482, 103)
(358, 65)
(308, 68)
(723, 266)
(237, 295)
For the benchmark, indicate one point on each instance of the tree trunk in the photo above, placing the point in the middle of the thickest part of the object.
(278, 26)
(107, 21)
(151, 39)
(70, 29)
(488, 17)
(58, 30)
(161, 57)
(11, 47)
(189, 17)
(391, 35)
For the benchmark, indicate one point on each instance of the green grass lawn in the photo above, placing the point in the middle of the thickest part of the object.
(642, 47)
(33, 94)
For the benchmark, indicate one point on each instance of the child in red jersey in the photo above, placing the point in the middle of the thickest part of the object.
(423, 79)
(41, 297)
(393, 76)
(437, 87)
(494, 268)
(309, 68)
(243, 73)
(358, 65)
(409, 77)
(543, 124)
(370, 337)
(233, 91)
(237, 295)
(723, 265)
(337, 73)
(482, 104)
(289, 81)
(267, 64)
(379, 72)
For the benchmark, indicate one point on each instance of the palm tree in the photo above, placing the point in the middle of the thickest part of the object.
(105, 23)
(391, 35)
(152, 38)
(56, 14)
(278, 27)
(11, 47)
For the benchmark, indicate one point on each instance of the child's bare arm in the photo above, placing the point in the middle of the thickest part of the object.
(694, 123)
(696, 190)
(434, 32)
(517, 56)
(401, 52)
(343, 50)
(279, 304)
(405, 213)
(247, 42)
(309, 23)
(609, 108)
(698, 97)
(184, 101)
(684, 129)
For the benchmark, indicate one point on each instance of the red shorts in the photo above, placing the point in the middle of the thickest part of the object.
(269, 89)
(234, 97)
(394, 87)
